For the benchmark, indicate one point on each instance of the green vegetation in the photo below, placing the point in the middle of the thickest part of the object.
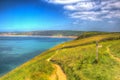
(36, 69)
(79, 62)
(77, 59)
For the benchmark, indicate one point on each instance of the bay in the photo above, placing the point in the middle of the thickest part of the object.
(15, 51)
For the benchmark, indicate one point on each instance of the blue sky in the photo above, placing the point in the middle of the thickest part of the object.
(83, 15)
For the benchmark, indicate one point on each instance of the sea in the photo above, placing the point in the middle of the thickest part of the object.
(14, 51)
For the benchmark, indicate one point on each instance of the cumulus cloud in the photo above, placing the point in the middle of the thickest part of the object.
(63, 1)
(88, 15)
(94, 10)
(80, 6)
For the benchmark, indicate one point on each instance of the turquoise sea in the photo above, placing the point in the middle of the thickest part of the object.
(15, 51)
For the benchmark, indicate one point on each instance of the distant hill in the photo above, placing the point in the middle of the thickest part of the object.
(45, 33)
(76, 59)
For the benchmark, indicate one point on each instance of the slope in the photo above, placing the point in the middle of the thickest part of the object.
(76, 58)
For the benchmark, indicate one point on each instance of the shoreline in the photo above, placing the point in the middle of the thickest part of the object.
(39, 36)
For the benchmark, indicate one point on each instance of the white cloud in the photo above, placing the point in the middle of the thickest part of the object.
(87, 15)
(80, 6)
(70, 7)
(111, 14)
(111, 4)
(90, 10)
(63, 1)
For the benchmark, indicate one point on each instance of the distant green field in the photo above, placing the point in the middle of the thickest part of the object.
(77, 58)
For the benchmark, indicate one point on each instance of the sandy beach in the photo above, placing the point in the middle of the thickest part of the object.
(39, 36)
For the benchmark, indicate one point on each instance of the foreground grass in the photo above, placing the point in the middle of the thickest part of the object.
(77, 59)
(79, 62)
(36, 69)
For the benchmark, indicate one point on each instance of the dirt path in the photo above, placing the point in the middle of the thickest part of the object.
(58, 74)
(112, 56)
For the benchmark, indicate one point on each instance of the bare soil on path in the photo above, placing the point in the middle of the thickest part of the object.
(58, 74)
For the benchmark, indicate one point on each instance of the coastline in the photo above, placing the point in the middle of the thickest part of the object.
(39, 36)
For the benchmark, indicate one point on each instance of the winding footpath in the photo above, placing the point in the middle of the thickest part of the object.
(58, 73)
(112, 56)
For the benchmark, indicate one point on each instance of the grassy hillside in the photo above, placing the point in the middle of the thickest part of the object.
(77, 58)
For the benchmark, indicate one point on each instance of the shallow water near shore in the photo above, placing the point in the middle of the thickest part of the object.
(14, 51)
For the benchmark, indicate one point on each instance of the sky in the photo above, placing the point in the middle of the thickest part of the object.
(82, 15)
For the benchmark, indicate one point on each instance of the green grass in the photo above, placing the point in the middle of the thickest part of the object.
(36, 69)
(77, 59)
(79, 62)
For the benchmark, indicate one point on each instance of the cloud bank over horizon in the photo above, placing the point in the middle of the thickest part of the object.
(94, 10)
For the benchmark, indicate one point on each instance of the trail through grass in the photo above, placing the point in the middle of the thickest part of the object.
(58, 73)
(78, 62)
(76, 59)
(112, 56)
